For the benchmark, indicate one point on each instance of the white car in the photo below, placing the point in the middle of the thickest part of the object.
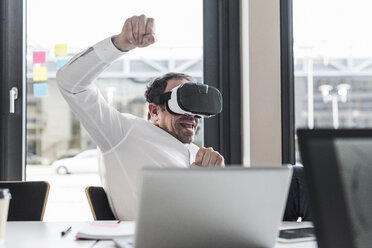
(85, 161)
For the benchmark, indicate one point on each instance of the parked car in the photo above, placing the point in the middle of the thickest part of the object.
(85, 161)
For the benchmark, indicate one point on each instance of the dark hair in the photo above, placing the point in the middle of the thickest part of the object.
(157, 86)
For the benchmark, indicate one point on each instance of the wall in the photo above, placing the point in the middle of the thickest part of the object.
(260, 21)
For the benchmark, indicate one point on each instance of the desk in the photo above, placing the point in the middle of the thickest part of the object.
(48, 235)
(30, 234)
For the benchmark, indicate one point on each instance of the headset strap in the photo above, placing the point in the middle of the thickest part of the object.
(162, 98)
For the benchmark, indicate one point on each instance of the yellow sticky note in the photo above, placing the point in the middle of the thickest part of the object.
(40, 74)
(60, 49)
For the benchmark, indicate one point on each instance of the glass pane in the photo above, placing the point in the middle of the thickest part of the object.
(56, 31)
(333, 63)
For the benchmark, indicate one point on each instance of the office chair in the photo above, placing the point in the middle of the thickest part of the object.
(98, 203)
(28, 201)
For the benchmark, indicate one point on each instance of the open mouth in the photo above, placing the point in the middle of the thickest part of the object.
(188, 126)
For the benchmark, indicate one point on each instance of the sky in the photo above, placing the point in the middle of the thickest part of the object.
(81, 23)
(335, 27)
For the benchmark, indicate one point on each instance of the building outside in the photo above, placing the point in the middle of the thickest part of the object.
(52, 129)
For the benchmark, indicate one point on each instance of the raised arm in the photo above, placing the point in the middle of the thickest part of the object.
(105, 125)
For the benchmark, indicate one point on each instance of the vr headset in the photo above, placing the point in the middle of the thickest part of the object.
(192, 99)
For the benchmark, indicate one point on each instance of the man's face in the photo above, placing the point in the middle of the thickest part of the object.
(183, 127)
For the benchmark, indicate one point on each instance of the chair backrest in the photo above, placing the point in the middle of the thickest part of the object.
(98, 203)
(28, 200)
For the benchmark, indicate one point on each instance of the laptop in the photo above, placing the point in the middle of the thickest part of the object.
(338, 171)
(209, 207)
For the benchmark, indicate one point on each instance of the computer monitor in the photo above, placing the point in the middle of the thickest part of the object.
(338, 171)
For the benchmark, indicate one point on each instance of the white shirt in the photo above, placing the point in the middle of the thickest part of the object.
(127, 143)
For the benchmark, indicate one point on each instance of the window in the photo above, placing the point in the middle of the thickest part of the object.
(332, 63)
(58, 30)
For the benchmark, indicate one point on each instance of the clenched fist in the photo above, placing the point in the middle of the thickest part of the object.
(208, 157)
(138, 31)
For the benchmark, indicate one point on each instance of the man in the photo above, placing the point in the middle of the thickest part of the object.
(129, 143)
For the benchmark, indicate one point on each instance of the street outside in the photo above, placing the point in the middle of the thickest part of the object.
(67, 200)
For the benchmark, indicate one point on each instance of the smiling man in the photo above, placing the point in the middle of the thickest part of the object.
(128, 143)
(182, 127)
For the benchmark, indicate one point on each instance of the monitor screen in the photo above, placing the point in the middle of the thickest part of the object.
(338, 168)
(354, 158)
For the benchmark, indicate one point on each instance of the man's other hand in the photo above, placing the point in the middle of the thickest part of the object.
(208, 157)
(138, 31)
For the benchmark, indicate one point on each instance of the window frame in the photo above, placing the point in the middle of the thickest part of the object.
(287, 82)
(221, 68)
(12, 71)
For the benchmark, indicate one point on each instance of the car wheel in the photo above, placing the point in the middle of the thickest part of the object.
(62, 170)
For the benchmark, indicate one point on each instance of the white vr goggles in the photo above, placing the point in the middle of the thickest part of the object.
(192, 99)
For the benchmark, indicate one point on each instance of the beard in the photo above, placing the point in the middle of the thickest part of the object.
(185, 133)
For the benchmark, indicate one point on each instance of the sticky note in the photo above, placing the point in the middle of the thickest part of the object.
(40, 74)
(39, 57)
(40, 89)
(60, 49)
(60, 63)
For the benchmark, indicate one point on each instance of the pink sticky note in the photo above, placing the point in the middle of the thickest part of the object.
(39, 57)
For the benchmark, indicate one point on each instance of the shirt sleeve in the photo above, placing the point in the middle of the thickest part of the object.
(104, 123)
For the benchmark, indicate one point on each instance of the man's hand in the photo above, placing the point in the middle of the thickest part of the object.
(208, 157)
(138, 31)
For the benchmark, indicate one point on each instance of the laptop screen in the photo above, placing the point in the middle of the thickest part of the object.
(338, 167)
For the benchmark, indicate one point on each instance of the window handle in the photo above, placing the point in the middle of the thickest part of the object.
(13, 95)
